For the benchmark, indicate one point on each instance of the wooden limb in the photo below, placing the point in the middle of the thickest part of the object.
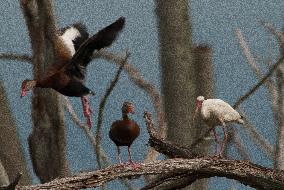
(150, 89)
(16, 57)
(12, 186)
(102, 106)
(243, 171)
(272, 29)
(167, 182)
(163, 146)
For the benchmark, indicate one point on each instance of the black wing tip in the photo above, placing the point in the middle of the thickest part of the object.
(120, 21)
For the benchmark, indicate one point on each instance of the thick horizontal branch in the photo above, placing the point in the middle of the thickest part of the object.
(245, 172)
(163, 146)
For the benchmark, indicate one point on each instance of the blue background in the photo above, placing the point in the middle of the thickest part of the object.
(213, 23)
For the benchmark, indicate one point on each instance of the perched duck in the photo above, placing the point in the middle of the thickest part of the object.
(124, 132)
(66, 76)
(216, 112)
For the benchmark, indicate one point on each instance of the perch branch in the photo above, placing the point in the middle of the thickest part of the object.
(243, 171)
(164, 146)
(102, 106)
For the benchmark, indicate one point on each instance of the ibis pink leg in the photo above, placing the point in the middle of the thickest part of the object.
(134, 165)
(87, 110)
(225, 140)
(217, 140)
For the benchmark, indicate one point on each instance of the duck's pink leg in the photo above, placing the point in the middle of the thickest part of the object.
(87, 110)
(134, 165)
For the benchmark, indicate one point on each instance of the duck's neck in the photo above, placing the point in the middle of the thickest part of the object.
(125, 116)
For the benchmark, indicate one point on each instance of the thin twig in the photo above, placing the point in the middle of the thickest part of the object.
(69, 108)
(102, 106)
(251, 61)
(273, 30)
(16, 57)
(258, 138)
(261, 82)
(239, 145)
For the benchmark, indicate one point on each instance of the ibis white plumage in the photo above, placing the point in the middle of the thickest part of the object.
(216, 112)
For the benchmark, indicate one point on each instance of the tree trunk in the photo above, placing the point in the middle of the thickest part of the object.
(178, 71)
(279, 156)
(204, 80)
(47, 141)
(11, 154)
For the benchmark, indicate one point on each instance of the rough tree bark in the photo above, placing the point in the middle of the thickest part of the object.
(178, 71)
(4, 179)
(11, 154)
(279, 157)
(204, 72)
(47, 141)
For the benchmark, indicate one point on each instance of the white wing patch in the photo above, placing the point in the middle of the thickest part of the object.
(67, 37)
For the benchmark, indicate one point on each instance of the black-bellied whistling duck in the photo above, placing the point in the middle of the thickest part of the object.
(124, 132)
(66, 76)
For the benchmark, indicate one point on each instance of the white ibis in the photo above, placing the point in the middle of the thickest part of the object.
(216, 112)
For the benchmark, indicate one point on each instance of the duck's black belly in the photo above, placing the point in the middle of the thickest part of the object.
(74, 89)
(123, 133)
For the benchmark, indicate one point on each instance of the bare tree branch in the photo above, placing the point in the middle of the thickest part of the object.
(273, 30)
(102, 106)
(68, 106)
(236, 140)
(16, 57)
(163, 146)
(243, 171)
(258, 138)
(252, 63)
(261, 82)
(12, 185)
